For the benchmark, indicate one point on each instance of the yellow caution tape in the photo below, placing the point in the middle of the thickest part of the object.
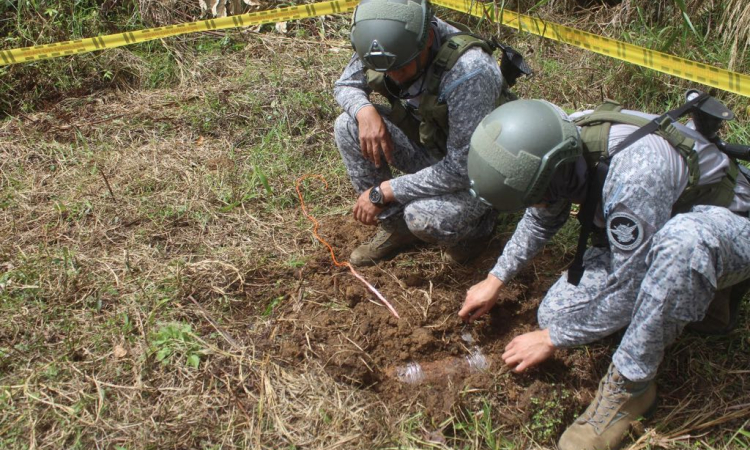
(48, 51)
(661, 62)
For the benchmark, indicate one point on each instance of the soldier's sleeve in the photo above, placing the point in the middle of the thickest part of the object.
(533, 231)
(470, 90)
(637, 200)
(351, 90)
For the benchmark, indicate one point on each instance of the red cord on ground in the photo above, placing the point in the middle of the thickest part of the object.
(316, 225)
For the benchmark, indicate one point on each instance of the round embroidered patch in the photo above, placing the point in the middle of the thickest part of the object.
(624, 231)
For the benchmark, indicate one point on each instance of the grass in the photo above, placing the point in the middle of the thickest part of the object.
(151, 245)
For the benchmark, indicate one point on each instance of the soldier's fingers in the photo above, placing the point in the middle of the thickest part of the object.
(376, 154)
(370, 152)
(388, 149)
(522, 366)
(465, 311)
(512, 359)
(363, 148)
(479, 313)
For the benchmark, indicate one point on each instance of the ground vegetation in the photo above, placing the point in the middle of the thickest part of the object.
(160, 287)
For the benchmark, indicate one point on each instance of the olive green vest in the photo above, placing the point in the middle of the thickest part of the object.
(432, 130)
(595, 137)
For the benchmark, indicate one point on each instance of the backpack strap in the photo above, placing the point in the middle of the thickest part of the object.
(595, 140)
(456, 45)
(433, 130)
(595, 129)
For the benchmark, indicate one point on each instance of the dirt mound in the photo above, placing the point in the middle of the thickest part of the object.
(428, 356)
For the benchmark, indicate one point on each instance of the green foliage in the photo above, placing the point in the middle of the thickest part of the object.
(272, 305)
(547, 419)
(297, 262)
(468, 430)
(742, 438)
(481, 429)
(176, 341)
(25, 23)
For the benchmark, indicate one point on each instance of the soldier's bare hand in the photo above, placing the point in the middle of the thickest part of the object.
(480, 298)
(528, 350)
(365, 211)
(374, 136)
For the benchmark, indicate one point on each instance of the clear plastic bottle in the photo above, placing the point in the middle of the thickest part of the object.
(416, 373)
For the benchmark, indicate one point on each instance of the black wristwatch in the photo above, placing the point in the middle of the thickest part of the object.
(376, 197)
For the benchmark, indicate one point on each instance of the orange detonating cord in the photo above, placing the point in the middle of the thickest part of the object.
(333, 256)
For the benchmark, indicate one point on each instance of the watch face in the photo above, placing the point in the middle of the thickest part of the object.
(376, 197)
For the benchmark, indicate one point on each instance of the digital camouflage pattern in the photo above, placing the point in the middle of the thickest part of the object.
(659, 273)
(433, 194)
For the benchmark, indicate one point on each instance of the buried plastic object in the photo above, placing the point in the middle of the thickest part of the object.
(416, 373)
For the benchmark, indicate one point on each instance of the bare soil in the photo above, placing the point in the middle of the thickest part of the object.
(331, 317)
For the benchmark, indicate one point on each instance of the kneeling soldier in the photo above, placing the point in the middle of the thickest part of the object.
(440, 83)
(669, 216)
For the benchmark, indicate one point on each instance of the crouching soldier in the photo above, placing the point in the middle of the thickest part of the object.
(668, 216)
(440, 84)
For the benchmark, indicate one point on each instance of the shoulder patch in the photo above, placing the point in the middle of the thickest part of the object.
(624, 231)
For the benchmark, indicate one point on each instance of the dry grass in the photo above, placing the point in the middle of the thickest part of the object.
(113, 221)
(136, 233)
(735, 27)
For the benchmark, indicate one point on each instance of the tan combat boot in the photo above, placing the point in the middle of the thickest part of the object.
(468, 249)
(723, 312)
(390, 239)
(607, 420)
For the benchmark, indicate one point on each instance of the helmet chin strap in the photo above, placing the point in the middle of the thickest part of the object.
(420, 72)
(403, 88)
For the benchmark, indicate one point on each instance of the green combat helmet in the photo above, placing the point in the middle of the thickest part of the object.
(388, 34)
(516, 149)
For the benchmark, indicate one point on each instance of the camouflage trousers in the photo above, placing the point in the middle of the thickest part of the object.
(443, 219)
(690, 258)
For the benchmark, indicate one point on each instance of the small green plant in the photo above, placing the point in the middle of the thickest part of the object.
(296, 262)
(548, 415)
(273, 304)
(473, 430)
(482, 425)
(173, 341)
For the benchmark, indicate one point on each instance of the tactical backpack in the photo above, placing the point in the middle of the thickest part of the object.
(595, 138)
(708, 113)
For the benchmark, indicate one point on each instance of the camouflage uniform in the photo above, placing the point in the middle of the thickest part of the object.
(659, 272)
(433, 194)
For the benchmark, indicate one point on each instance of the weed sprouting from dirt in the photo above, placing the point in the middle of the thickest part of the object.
(175, 341)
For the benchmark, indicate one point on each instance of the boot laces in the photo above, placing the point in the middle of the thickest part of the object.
(609, 398)
(380, 238)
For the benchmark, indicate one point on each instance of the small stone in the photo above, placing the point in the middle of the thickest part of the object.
(119, 351)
